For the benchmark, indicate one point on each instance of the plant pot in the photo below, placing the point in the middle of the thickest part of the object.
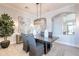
(5, 44)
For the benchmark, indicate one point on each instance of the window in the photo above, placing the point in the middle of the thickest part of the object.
(69, 24)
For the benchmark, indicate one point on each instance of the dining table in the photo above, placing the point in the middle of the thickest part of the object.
(47, 43)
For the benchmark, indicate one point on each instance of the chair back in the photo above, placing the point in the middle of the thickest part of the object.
(31, 41)
(50, 34)
(23, 36)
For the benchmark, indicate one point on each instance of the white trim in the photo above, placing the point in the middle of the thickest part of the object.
(69, 44)
(14, 42)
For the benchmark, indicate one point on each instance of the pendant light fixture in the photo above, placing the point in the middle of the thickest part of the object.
(38, 10)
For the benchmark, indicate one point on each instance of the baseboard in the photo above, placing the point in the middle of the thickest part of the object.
(65, 43)
(13, 42)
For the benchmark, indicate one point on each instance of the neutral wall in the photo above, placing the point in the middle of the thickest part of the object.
(15, 14)
(58, 32)
(50, 15)
(55, 25)
(72, 40)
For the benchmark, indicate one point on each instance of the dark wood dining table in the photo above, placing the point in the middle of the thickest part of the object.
(47, 44)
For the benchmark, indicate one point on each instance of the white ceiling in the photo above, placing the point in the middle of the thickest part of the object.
(46, 7)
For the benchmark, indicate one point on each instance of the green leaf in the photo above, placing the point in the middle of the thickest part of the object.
(6, 25)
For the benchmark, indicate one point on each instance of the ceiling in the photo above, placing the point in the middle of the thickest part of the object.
(31, 7)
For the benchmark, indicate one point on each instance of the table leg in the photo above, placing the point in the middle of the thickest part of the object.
(46, 47)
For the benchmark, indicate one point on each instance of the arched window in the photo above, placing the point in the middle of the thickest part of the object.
(69, 24)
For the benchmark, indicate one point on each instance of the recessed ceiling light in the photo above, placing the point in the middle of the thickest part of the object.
(26, 7)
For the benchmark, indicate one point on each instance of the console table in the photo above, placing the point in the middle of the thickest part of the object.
(18, 39)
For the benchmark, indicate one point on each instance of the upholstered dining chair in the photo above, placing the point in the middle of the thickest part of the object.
(35, 49)
(25, 43)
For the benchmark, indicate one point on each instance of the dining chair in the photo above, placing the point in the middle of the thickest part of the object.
(35, 49)
(25, 43)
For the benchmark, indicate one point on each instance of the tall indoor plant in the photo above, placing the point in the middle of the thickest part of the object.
(6, 29)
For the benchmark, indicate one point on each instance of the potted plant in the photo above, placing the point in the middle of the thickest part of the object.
(6, 29)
